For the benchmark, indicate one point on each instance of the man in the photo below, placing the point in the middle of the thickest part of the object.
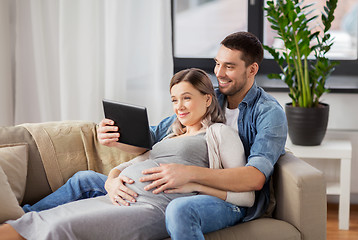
(262, 127)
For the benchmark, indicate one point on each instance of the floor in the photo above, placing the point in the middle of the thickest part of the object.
(333, 233)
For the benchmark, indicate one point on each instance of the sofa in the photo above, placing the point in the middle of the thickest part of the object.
(37, 158)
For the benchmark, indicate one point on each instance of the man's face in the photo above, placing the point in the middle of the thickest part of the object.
(231, 72)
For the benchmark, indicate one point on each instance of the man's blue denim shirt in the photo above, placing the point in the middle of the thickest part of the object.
(263, 131)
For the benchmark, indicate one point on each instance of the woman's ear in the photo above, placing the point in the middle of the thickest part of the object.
(209, 99)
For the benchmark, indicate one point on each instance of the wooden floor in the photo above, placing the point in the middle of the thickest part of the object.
(333, 233)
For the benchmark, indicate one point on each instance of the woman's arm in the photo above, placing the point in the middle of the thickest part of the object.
(226, 151)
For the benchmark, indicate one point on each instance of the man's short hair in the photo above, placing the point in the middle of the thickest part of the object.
(248, 44)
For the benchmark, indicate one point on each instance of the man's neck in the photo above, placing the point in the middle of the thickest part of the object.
(233, 101)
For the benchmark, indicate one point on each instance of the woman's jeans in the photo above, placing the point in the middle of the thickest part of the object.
(191, 217)
(84, 184)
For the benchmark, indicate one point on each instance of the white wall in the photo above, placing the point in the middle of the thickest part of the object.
(342, 124)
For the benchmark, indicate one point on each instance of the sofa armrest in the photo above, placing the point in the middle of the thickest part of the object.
(300, 192)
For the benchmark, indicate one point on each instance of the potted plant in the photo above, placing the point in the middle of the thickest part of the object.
(304, 65)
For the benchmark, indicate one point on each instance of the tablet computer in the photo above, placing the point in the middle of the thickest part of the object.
(132, 122)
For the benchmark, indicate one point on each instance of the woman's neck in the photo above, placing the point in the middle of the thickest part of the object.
(193, 130)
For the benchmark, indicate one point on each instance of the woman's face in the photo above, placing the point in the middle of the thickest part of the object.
(189, 104)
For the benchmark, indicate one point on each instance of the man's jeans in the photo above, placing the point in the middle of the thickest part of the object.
(84, 184)
(191, 217)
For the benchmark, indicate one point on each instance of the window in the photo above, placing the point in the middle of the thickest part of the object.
(200, 25)
(344, 29)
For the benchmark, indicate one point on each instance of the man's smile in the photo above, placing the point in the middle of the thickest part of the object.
(223, 82)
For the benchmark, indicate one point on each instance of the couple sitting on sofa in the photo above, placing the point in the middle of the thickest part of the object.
(195, 144)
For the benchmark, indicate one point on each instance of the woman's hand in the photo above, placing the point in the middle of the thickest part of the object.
(118, 192)
(107, 134)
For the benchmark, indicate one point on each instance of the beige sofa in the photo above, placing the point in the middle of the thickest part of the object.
(57, 150)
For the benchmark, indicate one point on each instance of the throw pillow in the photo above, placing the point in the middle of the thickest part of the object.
(9, 207)
(13, 171)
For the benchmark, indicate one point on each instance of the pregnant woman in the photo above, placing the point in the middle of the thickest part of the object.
(191, 141)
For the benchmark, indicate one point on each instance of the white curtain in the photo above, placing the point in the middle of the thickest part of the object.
(6, 58)
(62, 57)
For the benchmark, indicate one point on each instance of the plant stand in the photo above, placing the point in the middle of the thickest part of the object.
(332, 149)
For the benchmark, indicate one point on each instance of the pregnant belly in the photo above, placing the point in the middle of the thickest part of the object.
(134, 172)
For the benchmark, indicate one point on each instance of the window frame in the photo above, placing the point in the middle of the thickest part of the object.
(346, 69)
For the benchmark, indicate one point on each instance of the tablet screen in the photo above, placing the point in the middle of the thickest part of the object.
(132, 122)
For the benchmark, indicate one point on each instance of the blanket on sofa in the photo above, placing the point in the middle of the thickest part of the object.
(67, 147)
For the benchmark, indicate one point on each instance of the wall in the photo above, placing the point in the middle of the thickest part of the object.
(343, 124)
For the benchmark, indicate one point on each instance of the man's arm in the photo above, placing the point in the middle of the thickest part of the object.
(267, 147)
(202, 189)
(241, 179)
(161, 130)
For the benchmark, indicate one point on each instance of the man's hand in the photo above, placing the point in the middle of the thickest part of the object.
(166, 176)
(186, 188)
(118, 192)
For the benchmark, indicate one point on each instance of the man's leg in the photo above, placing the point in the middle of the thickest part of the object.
(191, 217)
(84, 184)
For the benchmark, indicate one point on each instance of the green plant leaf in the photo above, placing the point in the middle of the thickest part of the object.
(291, 20)
(274, 76)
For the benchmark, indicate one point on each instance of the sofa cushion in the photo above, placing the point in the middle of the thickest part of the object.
(37, 186)
(263, 228)
(13, 171)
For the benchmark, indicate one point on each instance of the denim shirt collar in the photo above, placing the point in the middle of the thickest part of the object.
(251, 95)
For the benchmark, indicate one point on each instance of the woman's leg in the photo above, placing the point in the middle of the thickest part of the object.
(9, 233)
(135, 222)
(92, 219)
(82, 185)
(191, 217)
